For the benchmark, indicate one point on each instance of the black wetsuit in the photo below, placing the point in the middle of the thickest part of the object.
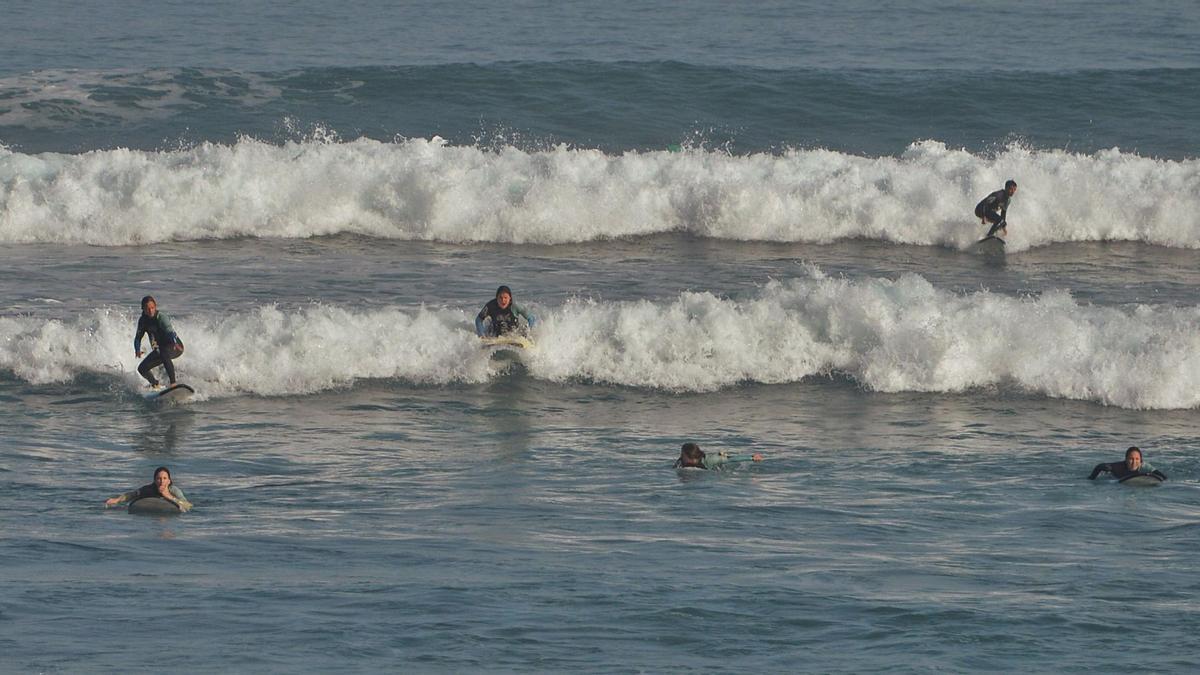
(503, 320)
(994, 209)
(166, 346)
(143, 492)
(1121, 472)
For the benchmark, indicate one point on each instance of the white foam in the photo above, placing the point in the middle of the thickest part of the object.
(899, 335)
(266, 351)
(429, 190)
(890, 336)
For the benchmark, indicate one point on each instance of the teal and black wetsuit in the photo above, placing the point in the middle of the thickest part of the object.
(994, 209)
(715, 461)
(165, 343)
(151, 490)
(1121, 472)
(500, 320)
(718, 460)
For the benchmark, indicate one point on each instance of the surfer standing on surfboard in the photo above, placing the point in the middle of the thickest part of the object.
(164, 342)
(500, 315)
(994, 208)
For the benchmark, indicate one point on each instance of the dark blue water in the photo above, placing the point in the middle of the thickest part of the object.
(612, 106)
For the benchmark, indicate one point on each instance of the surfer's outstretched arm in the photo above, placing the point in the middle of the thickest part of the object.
(714, 461)
(180, 500)
(123, 497)
(521, 312)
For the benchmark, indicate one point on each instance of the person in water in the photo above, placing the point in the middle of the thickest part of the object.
(1132, 466)
(994, 208)
(500, 315)
(164, 342)
(690, 455)
(161, 487)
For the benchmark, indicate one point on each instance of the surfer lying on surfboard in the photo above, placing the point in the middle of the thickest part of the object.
(994, 208)
(1132, 466)
(690, 455)
(164, 342)
(501, 315)
(162, 487)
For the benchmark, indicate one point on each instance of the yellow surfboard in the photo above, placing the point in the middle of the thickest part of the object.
(514, 342)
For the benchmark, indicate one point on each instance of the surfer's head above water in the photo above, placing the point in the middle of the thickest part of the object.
(1133, 458)
(690, 455)
(162, 477)
(1010, 186)
(149, 306)
(503, 297)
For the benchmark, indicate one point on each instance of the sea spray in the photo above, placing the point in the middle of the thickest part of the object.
(889, 335)
(431, 190)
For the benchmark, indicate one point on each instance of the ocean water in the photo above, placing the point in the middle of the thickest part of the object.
(748, 226)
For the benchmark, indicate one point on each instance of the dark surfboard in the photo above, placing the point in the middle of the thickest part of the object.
(176, 393)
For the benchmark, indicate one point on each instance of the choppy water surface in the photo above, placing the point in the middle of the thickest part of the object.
(749, 227)
(535, 525)
(530, 516)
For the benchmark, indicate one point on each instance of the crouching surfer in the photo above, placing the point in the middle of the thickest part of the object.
(690, 455)
(501, 316)
(994, 209)
(164, 342)
(162, 487)
(1132, 466)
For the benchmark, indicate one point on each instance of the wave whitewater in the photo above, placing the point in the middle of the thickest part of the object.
(429, 190)
(899, 335)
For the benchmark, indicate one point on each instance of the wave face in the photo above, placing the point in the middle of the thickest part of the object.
(266, 351)
(433, 191)
(889, 336)
(613, 107)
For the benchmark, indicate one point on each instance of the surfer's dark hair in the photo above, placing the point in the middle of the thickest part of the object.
(145, 301)
(163, 468)
(503, 289)
(1010, 183)
(1132, 449)
(690, 452)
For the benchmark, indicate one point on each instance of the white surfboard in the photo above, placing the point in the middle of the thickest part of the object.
(176, 393)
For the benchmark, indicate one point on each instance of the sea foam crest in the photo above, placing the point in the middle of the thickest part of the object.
(888, 335)
(265, 351)
(428, 190)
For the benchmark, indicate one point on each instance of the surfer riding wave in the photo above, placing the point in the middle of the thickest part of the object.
(501, 316)
(994, 209)
(164, 342)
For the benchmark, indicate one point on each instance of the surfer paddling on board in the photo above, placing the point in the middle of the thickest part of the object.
(1132, 466)
(501, 316)
(994, 208)
(162, 487)
(164, 342)
(690, 455)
